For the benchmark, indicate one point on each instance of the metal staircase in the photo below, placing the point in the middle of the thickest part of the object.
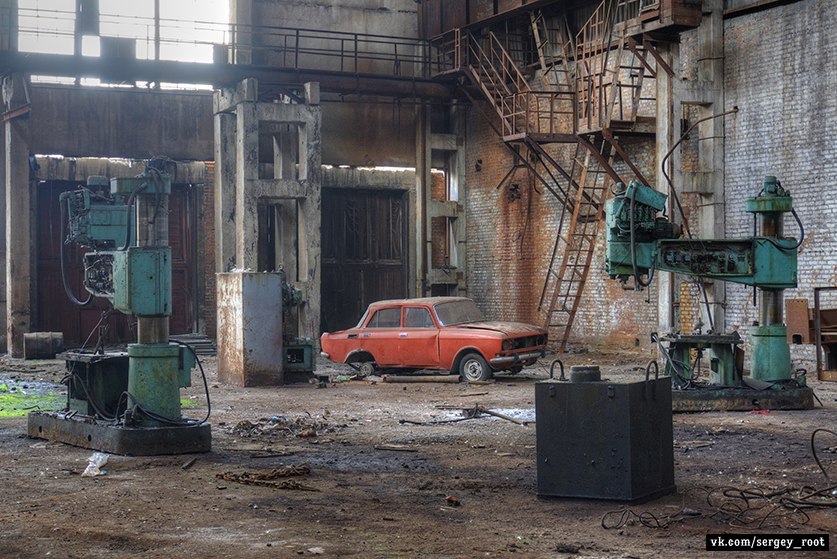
(598, 87)
(572, 253)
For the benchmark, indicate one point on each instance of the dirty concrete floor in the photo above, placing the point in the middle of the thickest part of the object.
(392, 501)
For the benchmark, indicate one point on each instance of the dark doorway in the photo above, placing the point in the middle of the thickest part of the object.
(363, 252)
(56, 313)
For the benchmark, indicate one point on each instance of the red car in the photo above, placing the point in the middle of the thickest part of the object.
(446, 333)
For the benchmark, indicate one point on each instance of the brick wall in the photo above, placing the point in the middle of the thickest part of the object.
(506, 234)
(511, 233)
(780, 71)
(207, 312)
(611, 314)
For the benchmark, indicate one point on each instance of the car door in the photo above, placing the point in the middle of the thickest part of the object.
(380, 336)
(418, 340)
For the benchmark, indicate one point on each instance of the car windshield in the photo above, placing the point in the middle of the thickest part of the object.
(458, 312)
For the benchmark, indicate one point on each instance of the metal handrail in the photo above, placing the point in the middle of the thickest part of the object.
(286, 47)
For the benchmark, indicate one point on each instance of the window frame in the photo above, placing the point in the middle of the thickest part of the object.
(374, 314)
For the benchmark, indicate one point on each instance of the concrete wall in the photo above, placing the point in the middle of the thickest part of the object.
(372, 134)
(781, 73)
(134, 124)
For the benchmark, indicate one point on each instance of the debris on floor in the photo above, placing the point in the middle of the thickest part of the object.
(303, 427)
(94, 465)
(274, 478)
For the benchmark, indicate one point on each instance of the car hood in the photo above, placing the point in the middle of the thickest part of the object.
(507, 328)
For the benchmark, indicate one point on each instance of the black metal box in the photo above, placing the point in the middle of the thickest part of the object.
(604, 440)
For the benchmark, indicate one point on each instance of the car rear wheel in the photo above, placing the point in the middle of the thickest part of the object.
(474, 367)
(366, 368)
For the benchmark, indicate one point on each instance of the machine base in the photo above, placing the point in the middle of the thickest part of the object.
(87, 432)
(741, 399)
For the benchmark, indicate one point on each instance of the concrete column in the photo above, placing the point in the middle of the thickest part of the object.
(8, 32)
(310, 214)
(242, 17)
(3, 246)
(423, 182)
(669, 115)
(294, 196)
(459, 117)
(247, 173)
(18, 235)
(709, 180)
(225, 188)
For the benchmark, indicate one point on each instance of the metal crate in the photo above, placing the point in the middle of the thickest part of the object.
(604, 440)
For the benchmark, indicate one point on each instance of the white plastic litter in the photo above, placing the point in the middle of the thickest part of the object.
(94, 465)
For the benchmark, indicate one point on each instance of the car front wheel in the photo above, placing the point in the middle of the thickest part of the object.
(474, 367)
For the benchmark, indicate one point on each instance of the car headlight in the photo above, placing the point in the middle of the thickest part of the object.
(507, 345)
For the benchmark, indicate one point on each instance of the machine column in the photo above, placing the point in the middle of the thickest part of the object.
(771, 353)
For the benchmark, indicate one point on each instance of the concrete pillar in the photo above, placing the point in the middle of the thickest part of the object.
(246, 174)
(225, 126)
(707, 94)
(669, 115)
(9, 31)
(310, 214)
(293, 194)
(241, 12)
(3, 246)
(18, 235)
(423, 182)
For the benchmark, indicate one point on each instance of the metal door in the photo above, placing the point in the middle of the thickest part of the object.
(56, 313)
(364, 252)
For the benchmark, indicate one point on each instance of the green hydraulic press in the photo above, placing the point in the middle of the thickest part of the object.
(639, 241)
(126, 402)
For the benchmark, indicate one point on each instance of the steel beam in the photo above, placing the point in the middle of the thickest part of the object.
(119, 70)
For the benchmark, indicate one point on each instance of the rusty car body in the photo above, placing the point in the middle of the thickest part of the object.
(442, 333)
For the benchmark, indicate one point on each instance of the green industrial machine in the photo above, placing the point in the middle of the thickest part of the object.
(639, 242)
(135, 409)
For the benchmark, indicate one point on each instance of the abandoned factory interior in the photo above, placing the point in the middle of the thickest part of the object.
(418, 278)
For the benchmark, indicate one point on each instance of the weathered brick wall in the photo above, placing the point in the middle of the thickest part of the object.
(611, 314)
(780, 71)
(504, 243)
(208, 315)
(511, 233)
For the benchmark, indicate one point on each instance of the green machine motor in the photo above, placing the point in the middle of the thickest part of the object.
(135, 411)
(640, 241)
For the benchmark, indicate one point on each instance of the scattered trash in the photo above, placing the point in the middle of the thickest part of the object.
(453, 501)
(759, 412)
(94, 465)
(316, 550)
(189, 464)
(344, 378)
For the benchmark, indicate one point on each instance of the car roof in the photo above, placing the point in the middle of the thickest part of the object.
(418, 301)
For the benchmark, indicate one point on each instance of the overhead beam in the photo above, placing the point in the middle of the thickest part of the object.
(219, 75)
